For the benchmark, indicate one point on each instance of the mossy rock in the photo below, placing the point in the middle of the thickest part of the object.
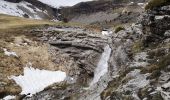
(112, 86)
(120, 96)
(156, 67)
(156, 96)
(143, 92)
(119, 28)
(154, 75)
(156, 3)
(164, 62)
(1, 52)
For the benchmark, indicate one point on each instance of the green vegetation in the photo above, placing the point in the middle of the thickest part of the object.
(157, 66)
(156, 3)
(114, 84)
(1, 52)
(119, 28)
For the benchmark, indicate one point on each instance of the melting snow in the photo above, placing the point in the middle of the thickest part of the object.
(102, 66)
(141, 4)
(9, 97)
(107, 33)
(159, 17)
(14, 10)
(60, 3)
(10, 53)
(35, 80)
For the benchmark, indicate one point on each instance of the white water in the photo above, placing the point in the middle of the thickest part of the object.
(102, 66)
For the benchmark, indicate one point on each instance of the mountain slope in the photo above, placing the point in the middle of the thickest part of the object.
(59, 3)
(28, 9)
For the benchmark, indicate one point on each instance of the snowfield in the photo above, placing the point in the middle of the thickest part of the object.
(18, 9)
(61, 3)
(35, 80)
(25, 9)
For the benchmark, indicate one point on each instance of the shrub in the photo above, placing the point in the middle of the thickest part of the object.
(156, 3)
(119, 28)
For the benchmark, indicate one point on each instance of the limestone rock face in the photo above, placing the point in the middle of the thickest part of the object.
(156, 21)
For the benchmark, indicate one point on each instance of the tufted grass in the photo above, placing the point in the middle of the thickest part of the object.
(155, 3)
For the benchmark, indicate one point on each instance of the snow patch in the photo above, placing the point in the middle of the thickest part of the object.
(107, 33)
(14, 9)
(9, 97)
(141, 4)
(159, 17)
(61, 3)
(35, 80)
(10, 53)
(102, 66)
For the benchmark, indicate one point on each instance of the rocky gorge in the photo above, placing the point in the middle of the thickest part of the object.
(131, 63)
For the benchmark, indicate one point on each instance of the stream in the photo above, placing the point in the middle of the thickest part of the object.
(102, 66)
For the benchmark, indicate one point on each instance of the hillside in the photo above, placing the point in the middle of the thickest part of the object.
(28, 9)
(101, 50)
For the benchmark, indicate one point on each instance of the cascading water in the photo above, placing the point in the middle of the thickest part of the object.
(102, 66)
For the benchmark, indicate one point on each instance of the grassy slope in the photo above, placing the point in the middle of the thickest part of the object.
(8, 22)
(12, 22)
(12, 29)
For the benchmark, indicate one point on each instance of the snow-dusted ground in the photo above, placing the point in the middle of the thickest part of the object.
(60, 3)
(14, 9)
(35, 80)
(102, 66)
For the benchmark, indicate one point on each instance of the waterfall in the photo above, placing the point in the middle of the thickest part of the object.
(102, 66)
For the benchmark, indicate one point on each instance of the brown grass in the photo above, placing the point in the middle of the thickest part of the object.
(156, 3)
(8, 22)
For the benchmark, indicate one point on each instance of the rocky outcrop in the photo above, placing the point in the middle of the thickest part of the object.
(105, 13)
(85, 8)
(78, 51)
(142, 63)
(78, 54)
(51, 11)
(156, 21)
